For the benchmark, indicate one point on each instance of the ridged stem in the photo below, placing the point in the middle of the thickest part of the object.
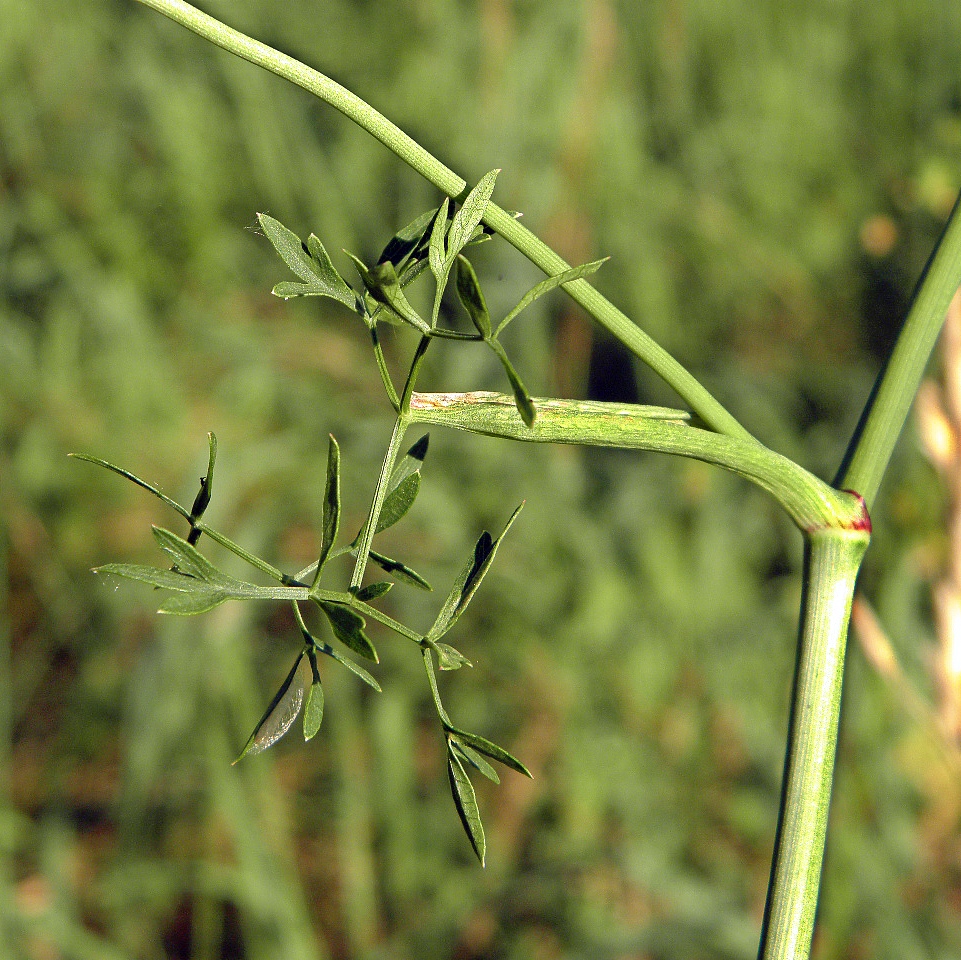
(832, 559)
(810, 502)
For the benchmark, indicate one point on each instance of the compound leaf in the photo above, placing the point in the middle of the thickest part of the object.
(399, 570)
(310, 262)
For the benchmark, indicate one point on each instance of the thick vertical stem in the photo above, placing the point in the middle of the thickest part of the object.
(832, 559)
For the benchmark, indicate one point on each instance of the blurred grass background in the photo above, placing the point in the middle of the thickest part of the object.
(768, 180)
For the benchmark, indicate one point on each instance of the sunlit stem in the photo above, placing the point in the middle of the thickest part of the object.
(832, 559)
(387, 467)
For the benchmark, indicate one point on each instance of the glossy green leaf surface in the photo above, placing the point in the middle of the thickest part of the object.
(469, 580)
(310, 262)
(348, 627)
(471, 756)
(282, 711)
(465, 800)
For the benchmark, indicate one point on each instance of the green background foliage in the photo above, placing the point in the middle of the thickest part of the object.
(767, 179)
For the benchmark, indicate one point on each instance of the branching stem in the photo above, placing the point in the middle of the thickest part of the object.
(437, 173)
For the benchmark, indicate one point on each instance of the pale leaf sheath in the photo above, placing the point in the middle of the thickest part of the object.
(810, 502)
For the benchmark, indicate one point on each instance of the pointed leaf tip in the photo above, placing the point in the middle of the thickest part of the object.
(348, 627)
(313, 710)
(465, 800)
(282, 712)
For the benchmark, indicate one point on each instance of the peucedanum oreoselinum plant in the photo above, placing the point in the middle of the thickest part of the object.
(833, 518)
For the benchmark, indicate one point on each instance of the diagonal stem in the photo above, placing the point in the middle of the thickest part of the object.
(674, 374)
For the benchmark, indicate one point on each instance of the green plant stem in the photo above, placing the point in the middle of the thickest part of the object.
(687, 387)
(262, 565)
(392, 397)
(883, 418)
(380, 492)
(832, 559)
(810, 502)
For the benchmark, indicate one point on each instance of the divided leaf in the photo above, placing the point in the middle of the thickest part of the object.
(188, 559)
(163, 579)
(449, 658)
(135, 479)
(310, 262)
(313, 710)
(398, 502)
(282, 712)
(373, 590)
(465, 800)
(437, 252)
(404, 485)
(399, 570)
(199, 601)
(195, 593)
(354, 668)
(464, 229)
(202, 500)
(412, 461)
(522, 397)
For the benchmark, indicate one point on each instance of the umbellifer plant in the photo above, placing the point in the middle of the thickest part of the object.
(833, 518)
